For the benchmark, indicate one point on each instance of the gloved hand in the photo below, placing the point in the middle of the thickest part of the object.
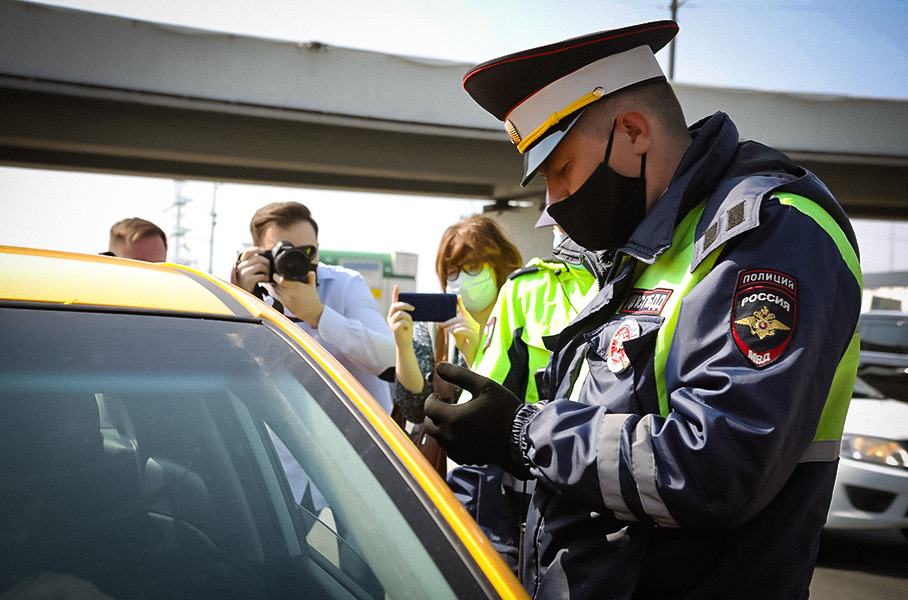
(477, 432)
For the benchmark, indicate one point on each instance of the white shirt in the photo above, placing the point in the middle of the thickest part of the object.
(353, 330)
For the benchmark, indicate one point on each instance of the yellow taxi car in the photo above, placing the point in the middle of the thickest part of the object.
(150, 417)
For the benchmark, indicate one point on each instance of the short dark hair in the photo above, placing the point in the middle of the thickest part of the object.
(282, 214)
(473, 242)
(655, 97)
(132, 230)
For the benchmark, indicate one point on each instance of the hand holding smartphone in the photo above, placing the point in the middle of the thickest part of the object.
(430, 307)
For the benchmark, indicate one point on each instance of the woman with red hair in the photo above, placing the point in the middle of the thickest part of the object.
(474, 259)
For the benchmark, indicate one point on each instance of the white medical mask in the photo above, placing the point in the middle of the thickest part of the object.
(478, 290)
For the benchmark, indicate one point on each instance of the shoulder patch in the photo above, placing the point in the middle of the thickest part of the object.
(739, 212)
(537, 266)
(764, 314)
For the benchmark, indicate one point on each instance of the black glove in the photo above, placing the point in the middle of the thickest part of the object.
(477, 432)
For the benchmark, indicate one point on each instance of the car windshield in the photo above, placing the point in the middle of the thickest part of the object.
(163, 457)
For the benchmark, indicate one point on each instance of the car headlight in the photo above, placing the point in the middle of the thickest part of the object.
(875, 450)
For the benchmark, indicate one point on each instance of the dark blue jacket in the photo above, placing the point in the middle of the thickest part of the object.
(721, 498)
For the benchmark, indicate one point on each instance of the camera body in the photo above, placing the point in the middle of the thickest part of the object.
(289, 262)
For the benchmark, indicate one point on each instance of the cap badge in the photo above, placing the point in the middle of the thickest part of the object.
(628, 329)
(512, 131)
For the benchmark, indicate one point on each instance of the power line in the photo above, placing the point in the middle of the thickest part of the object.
(825, 6)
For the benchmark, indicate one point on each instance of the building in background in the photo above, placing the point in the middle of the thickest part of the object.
(381, 271)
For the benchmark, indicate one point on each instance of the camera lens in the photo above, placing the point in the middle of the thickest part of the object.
(291, 263)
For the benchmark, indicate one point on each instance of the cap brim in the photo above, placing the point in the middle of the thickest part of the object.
(536, 155)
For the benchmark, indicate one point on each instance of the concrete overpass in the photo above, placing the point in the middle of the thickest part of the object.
(91, 92)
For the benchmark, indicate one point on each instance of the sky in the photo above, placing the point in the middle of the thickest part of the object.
(839, 47)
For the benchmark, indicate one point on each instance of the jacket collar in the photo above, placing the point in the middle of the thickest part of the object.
(714, 141)
(598, 263)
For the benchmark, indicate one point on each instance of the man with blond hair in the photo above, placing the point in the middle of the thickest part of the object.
(138, 239)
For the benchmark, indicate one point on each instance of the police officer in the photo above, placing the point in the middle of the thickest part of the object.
(690, 445)
(536, 302)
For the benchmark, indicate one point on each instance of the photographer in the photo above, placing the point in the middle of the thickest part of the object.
(332, 304)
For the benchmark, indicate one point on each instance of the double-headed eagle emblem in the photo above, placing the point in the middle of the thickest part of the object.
(763, 323)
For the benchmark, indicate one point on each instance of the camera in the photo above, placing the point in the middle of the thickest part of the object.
(289, 261)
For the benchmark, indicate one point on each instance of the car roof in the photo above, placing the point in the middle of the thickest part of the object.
(90, 280)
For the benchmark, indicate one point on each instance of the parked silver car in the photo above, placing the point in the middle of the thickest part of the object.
(871, 488)
(884, 352)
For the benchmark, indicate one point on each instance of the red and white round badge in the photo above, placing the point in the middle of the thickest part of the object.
(628, 329)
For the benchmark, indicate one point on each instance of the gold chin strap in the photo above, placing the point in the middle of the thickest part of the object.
(554, 119)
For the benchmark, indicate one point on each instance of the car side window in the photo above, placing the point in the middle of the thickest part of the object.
(320, 530)
(149, 465)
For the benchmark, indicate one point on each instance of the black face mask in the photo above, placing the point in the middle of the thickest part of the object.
(604, 212)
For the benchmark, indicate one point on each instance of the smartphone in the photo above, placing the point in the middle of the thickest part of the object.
(430, 307)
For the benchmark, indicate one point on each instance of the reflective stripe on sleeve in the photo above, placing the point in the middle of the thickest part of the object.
(644, 472)
(608, 464)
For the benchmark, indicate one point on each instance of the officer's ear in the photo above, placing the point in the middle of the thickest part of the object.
(637, 127)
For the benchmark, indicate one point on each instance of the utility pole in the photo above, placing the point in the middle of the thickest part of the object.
(179, 232)
(671, 46)
(214, 216)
